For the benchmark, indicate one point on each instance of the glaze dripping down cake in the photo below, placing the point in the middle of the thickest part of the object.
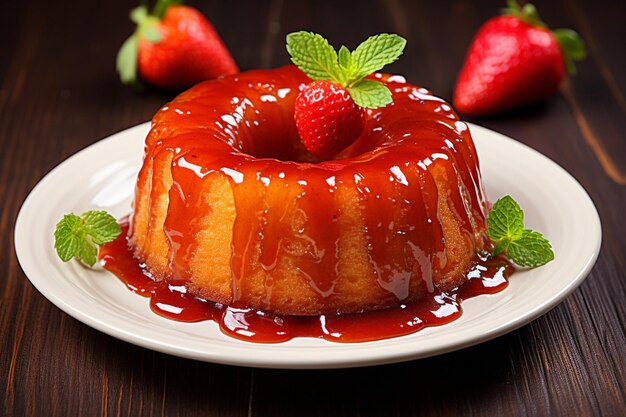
(229, 203)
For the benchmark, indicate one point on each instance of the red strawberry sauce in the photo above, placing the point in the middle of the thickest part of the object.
(242, 129)
(488, 276)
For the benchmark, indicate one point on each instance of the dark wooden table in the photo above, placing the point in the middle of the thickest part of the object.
(59, 93)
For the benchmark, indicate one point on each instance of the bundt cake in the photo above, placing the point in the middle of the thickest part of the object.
(230, 204)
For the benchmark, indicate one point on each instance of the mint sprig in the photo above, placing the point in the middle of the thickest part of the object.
(506, 230)
(313, 54)
(77, 236)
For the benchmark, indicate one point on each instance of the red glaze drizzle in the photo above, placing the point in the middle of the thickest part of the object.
(242, 128)
(488, 276)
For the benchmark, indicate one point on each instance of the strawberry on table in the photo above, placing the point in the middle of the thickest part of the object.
(514, 60)
(174, 47)
(329, 112)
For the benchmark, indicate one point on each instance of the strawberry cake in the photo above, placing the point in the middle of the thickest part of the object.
(230, 204)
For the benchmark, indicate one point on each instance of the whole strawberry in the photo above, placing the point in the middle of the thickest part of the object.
(514, 60)
(174, 47)
(329, 112)
(327, 118)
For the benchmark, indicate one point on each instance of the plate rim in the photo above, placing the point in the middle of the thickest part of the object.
(305, 362)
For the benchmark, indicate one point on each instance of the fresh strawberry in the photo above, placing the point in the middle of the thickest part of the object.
(514, 60)
(174, 47)
(329, 111)
(327, 118)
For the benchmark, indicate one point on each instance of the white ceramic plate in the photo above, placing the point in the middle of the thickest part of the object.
(102, 176)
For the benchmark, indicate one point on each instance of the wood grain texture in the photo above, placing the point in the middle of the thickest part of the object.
(59, 93)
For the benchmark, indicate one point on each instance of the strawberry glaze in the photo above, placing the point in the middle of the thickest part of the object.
(242, 128)
(488, 276)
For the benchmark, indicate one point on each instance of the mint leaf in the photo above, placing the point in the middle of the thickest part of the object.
(314, 56)
(376, 52)
(506, 230)
(87, 254)
(370, 94)
(501, 246)
(68, 236)
(345, 58)
(531, 250)
(101, 226)
(347, 64)
(506, 219)
(126, 61)
(77, 236)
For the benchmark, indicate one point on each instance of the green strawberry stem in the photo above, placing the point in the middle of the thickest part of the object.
(572, 45)
(128, 55)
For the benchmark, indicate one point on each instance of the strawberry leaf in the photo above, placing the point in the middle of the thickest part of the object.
(314, 56)
(572, 46)
(146, 24)
(376, 52)
(161, 7)
(139, 14)
(370, 94)
(528, 13)
(126, 61)
(513, 5)
(149, 32)
(531, 15)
